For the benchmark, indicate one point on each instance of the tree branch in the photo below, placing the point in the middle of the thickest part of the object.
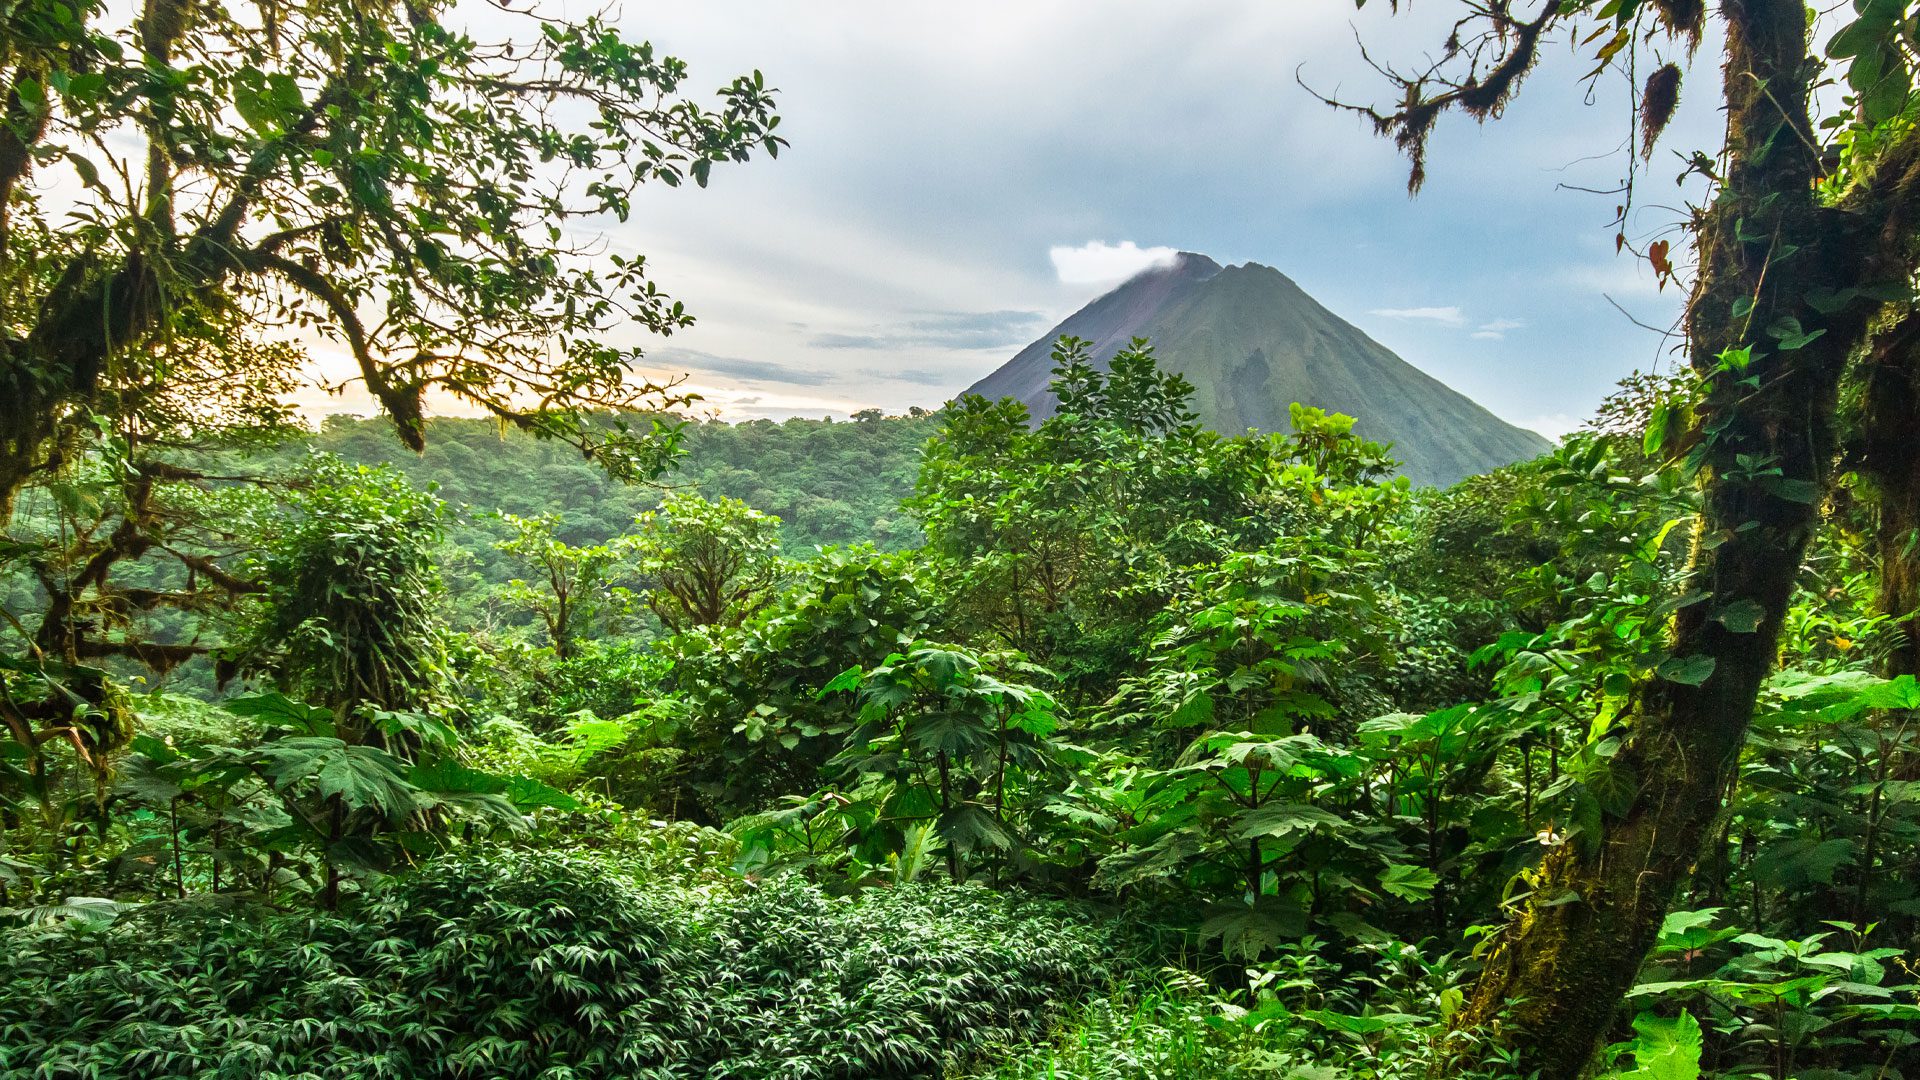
(402, 402)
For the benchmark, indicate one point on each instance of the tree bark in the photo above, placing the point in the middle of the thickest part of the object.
(1554, 980)
(1888, 461)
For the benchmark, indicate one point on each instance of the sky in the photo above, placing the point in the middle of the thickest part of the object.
(961, 177)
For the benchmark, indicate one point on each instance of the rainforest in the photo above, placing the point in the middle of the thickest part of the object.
(555, 716)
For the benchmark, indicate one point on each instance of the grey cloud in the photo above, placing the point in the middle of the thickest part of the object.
(782, 412)
(917, 376)
(849, 341)
(738, 367)
(945, 330)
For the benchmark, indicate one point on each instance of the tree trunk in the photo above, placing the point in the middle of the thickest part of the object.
(1888, 461)
(1554, 980)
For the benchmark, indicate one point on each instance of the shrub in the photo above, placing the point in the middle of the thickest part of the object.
(514, 964)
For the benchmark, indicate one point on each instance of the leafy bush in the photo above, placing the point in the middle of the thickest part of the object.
(520, 964)
(1152, 1033)
(1298, 1017)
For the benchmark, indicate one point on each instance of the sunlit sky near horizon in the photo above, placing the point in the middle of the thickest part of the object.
(961, 177)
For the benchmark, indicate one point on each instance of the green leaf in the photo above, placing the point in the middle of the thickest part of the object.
(1656, 436)
(970, 827)
(1195, 711)
(1248, 931)
(1792, 490)
(1800, 341)
(363, 777)
(277, 709)
(1409, 882)
(846, 680)
(1370, 1024)
(446, 775)
(1285, 819)
(1678, 922)
(1804, 862)
(1665, 1049)
(526, 793)
(1742, 616)
(1687, 670)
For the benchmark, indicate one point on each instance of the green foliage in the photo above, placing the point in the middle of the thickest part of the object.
(1147, 1031)
(1664, 1049)
(280, 803)
(1298, 1017)
(1290, 714)
(1067, 539)
(541, 964)
(946, 747)
(707, 563)
(759, 728)
(348, 615)
(829, 483)
(1794, 1007)
(573, 585)
(451, 267)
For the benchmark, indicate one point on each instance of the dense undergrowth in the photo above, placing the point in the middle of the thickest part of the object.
(552, 965)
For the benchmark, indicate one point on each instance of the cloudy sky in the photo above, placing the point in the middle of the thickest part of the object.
(962, 176)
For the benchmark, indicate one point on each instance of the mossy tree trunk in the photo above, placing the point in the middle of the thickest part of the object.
(1891, 465)
(1768, 251)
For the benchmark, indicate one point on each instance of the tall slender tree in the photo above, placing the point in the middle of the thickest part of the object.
(1806, 237)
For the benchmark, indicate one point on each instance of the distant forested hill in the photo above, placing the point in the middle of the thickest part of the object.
(830, 482)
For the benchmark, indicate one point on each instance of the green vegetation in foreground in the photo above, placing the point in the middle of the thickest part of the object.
(1301, 729)
(550, 964)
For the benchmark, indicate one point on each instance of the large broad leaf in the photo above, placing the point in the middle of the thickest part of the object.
(955, 733)
(85, 910)
(527, 793)
(1665, 1049)
(1248, 931)
(287, 762)
(1165, 857)
(1285, 819)
(1801, 863)
(142, 778)
(969, 827)
(448, 776)
(1413, 727)
(1687, 670)
(431, 731)
(1409, 882)
(1692, 930)
(478, 806)
(847, 680)
(943, 666)
(364, 777)
(278, 710)
(1195, 711)
(1371, 1024)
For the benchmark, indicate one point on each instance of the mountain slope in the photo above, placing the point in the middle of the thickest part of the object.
(1252, 343)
